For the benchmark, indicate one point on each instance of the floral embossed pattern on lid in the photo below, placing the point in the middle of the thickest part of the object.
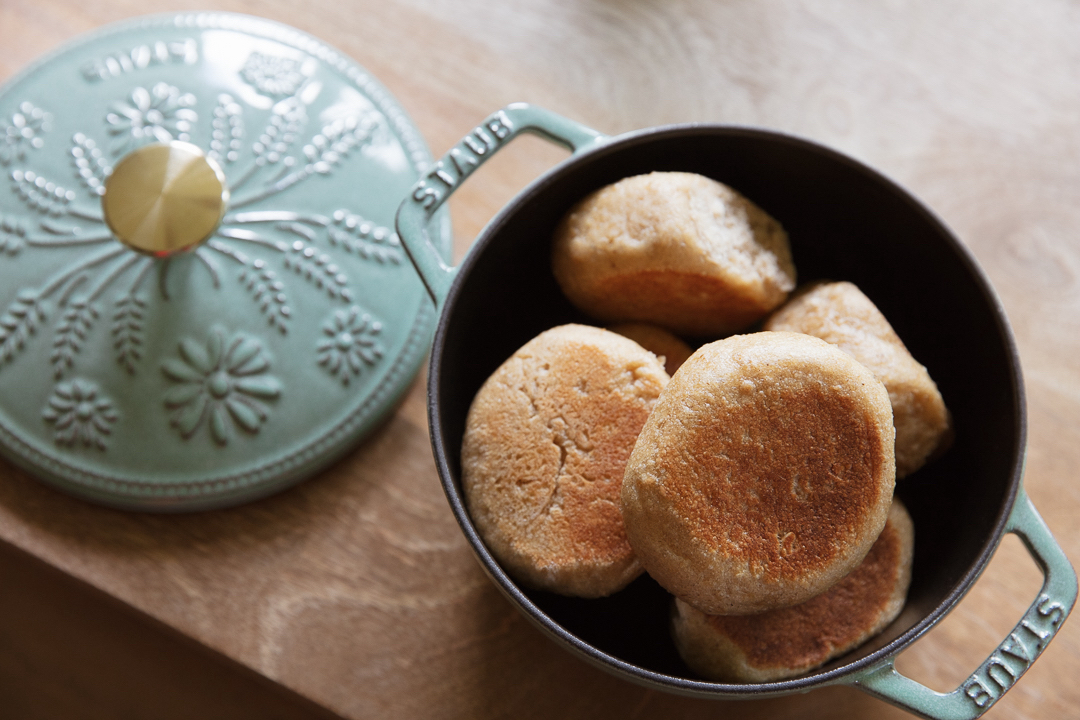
(244, 362)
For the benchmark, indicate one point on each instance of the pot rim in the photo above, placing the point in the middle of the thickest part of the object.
(847, 672)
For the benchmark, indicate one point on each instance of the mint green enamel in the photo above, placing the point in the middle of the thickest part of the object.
(1014, 655)
(232, 371)
(439, 183)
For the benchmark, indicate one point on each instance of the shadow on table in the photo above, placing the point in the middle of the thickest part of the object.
(67, 650)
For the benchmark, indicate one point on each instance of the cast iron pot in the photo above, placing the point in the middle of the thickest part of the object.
(845, 222)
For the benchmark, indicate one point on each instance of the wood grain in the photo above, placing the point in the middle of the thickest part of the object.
(73, 651)
(356, 589)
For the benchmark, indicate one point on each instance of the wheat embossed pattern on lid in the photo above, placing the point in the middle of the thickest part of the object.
(278, 158)
(297, 295)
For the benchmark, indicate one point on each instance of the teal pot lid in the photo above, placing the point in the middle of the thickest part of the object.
(241, 364)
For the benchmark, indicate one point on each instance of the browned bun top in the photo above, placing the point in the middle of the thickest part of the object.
(669, 348)
(544, 452)
(763, 475)
(790, 641)
(675, 249)
(840, 314)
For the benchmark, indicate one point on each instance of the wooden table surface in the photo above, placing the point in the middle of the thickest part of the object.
(357, 590)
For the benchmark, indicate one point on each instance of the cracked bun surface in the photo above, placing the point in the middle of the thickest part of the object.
(784, 643)
(763, 475)
(545, 448)
(839, 313)
(675, 249)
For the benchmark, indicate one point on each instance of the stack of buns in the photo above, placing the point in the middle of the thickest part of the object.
(752, 477)
(763, 475)
(788, 641)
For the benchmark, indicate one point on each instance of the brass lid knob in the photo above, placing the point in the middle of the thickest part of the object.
(165, 198)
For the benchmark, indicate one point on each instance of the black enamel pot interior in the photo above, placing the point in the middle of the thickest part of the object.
(845, 222)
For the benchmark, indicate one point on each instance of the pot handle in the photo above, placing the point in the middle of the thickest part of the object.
(999, 672)
(432, 190)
